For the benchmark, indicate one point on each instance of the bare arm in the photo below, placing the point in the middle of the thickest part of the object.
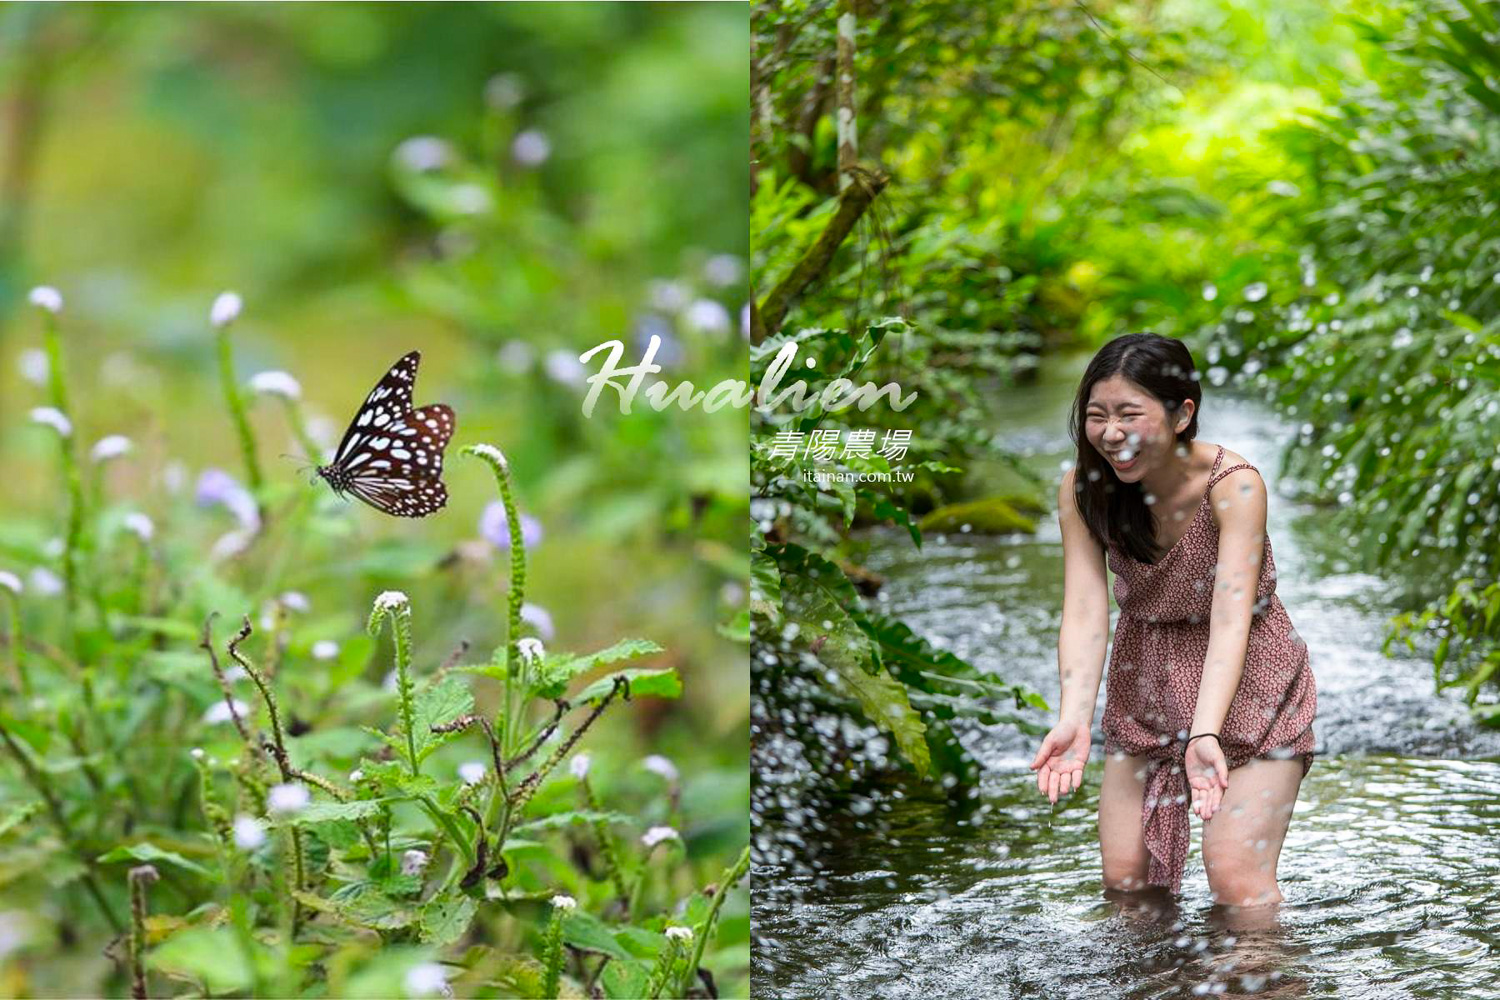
(1239, 502)
(1085, 619)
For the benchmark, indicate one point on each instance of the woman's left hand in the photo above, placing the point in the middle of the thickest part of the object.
(1207, 775)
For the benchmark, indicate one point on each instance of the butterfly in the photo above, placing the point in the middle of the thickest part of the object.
(392, 455)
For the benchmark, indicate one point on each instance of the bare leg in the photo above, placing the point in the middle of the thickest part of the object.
(1121, 843)
(1242, 843)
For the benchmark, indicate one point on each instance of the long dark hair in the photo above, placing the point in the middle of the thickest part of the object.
(1164, 368)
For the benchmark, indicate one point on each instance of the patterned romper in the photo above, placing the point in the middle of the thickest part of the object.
(1160, 645)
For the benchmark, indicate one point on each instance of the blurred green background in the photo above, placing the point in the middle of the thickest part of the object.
(155, 156)
(500, 186)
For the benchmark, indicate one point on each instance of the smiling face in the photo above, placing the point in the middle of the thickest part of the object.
(1131, 428)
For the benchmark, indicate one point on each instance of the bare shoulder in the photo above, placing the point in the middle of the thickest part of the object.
(1239, 497)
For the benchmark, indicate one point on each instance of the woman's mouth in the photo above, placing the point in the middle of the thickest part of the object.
(1114, 458)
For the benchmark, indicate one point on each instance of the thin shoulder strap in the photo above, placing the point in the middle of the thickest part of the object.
(1214, 477)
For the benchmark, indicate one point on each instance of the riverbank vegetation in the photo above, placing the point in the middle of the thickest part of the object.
(943, 190)
(256, 740)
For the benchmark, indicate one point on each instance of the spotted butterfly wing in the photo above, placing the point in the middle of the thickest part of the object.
(391, 456)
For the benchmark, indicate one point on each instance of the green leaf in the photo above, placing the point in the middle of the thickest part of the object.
(765, 583)
(325, 812)
(662, 683)
(737, 629)
(18, 815)
(557, 821)
(586, 931)
(444, 921)
(437, 705)
(150, 853)
(625, 980)
(837, 641)
(556, 671)
(210, 955)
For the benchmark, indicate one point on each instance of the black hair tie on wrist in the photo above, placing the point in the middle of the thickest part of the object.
(1192, 738)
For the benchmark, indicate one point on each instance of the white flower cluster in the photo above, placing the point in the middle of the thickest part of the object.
(390, 600)
(491, 452)
(46, 297)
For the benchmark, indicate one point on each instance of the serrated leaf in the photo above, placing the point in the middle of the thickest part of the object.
(437, 705)
(325, 812)
(445, 921)
(556, 671)
(663, 683)
(557, 821)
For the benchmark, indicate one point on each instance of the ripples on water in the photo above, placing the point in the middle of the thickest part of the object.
(1390, 870)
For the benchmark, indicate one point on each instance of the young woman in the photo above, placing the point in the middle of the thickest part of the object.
(1210, 699)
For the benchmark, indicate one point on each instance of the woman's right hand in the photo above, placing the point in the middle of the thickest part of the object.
(1059, 762)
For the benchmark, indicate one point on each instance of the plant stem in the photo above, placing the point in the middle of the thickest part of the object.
(17, 648)
(236, 403)
(700, 939)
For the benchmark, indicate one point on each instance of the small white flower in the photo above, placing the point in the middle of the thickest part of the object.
(745, 321)
(530, 649)
(235, 673)
(563, 366)
(248, 833)
(45, 582)
(110, 447)
(657, 834)
(515, 357)
(54, 418)
(174, 476)
(46, 297)
(472, 199)
(579, 766)
(357, 775)
(707, 316)
(565, 903)
(226, 309)
(424, 152)
(427, 979)
(723, 269)
(231, 544)
(413, 861)
(494, 454)
(139, 525)
(683, 934)
(389, 684)
(10, 581)
(219, 712)
(197, 753)
(472, 772)
(325, 649)
(390, 600)
(668, 296)
(276, 384)
(33, 365)
(531, 148)
(295, 600)
(287, 798)
(504, 91)
(537, 617)
(657, 764)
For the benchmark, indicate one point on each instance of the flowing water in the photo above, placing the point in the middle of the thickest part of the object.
(1390, 870)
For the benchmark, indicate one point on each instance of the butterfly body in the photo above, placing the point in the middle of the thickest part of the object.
(391, 456)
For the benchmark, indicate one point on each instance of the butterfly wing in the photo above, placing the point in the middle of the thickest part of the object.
(392, 456)
(389, 401)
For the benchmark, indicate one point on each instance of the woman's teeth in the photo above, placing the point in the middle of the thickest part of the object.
(1123, 464)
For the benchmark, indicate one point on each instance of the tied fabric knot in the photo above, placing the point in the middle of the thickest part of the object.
(1164, 818)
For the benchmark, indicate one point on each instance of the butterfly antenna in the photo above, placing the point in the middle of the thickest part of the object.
(307, 464)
